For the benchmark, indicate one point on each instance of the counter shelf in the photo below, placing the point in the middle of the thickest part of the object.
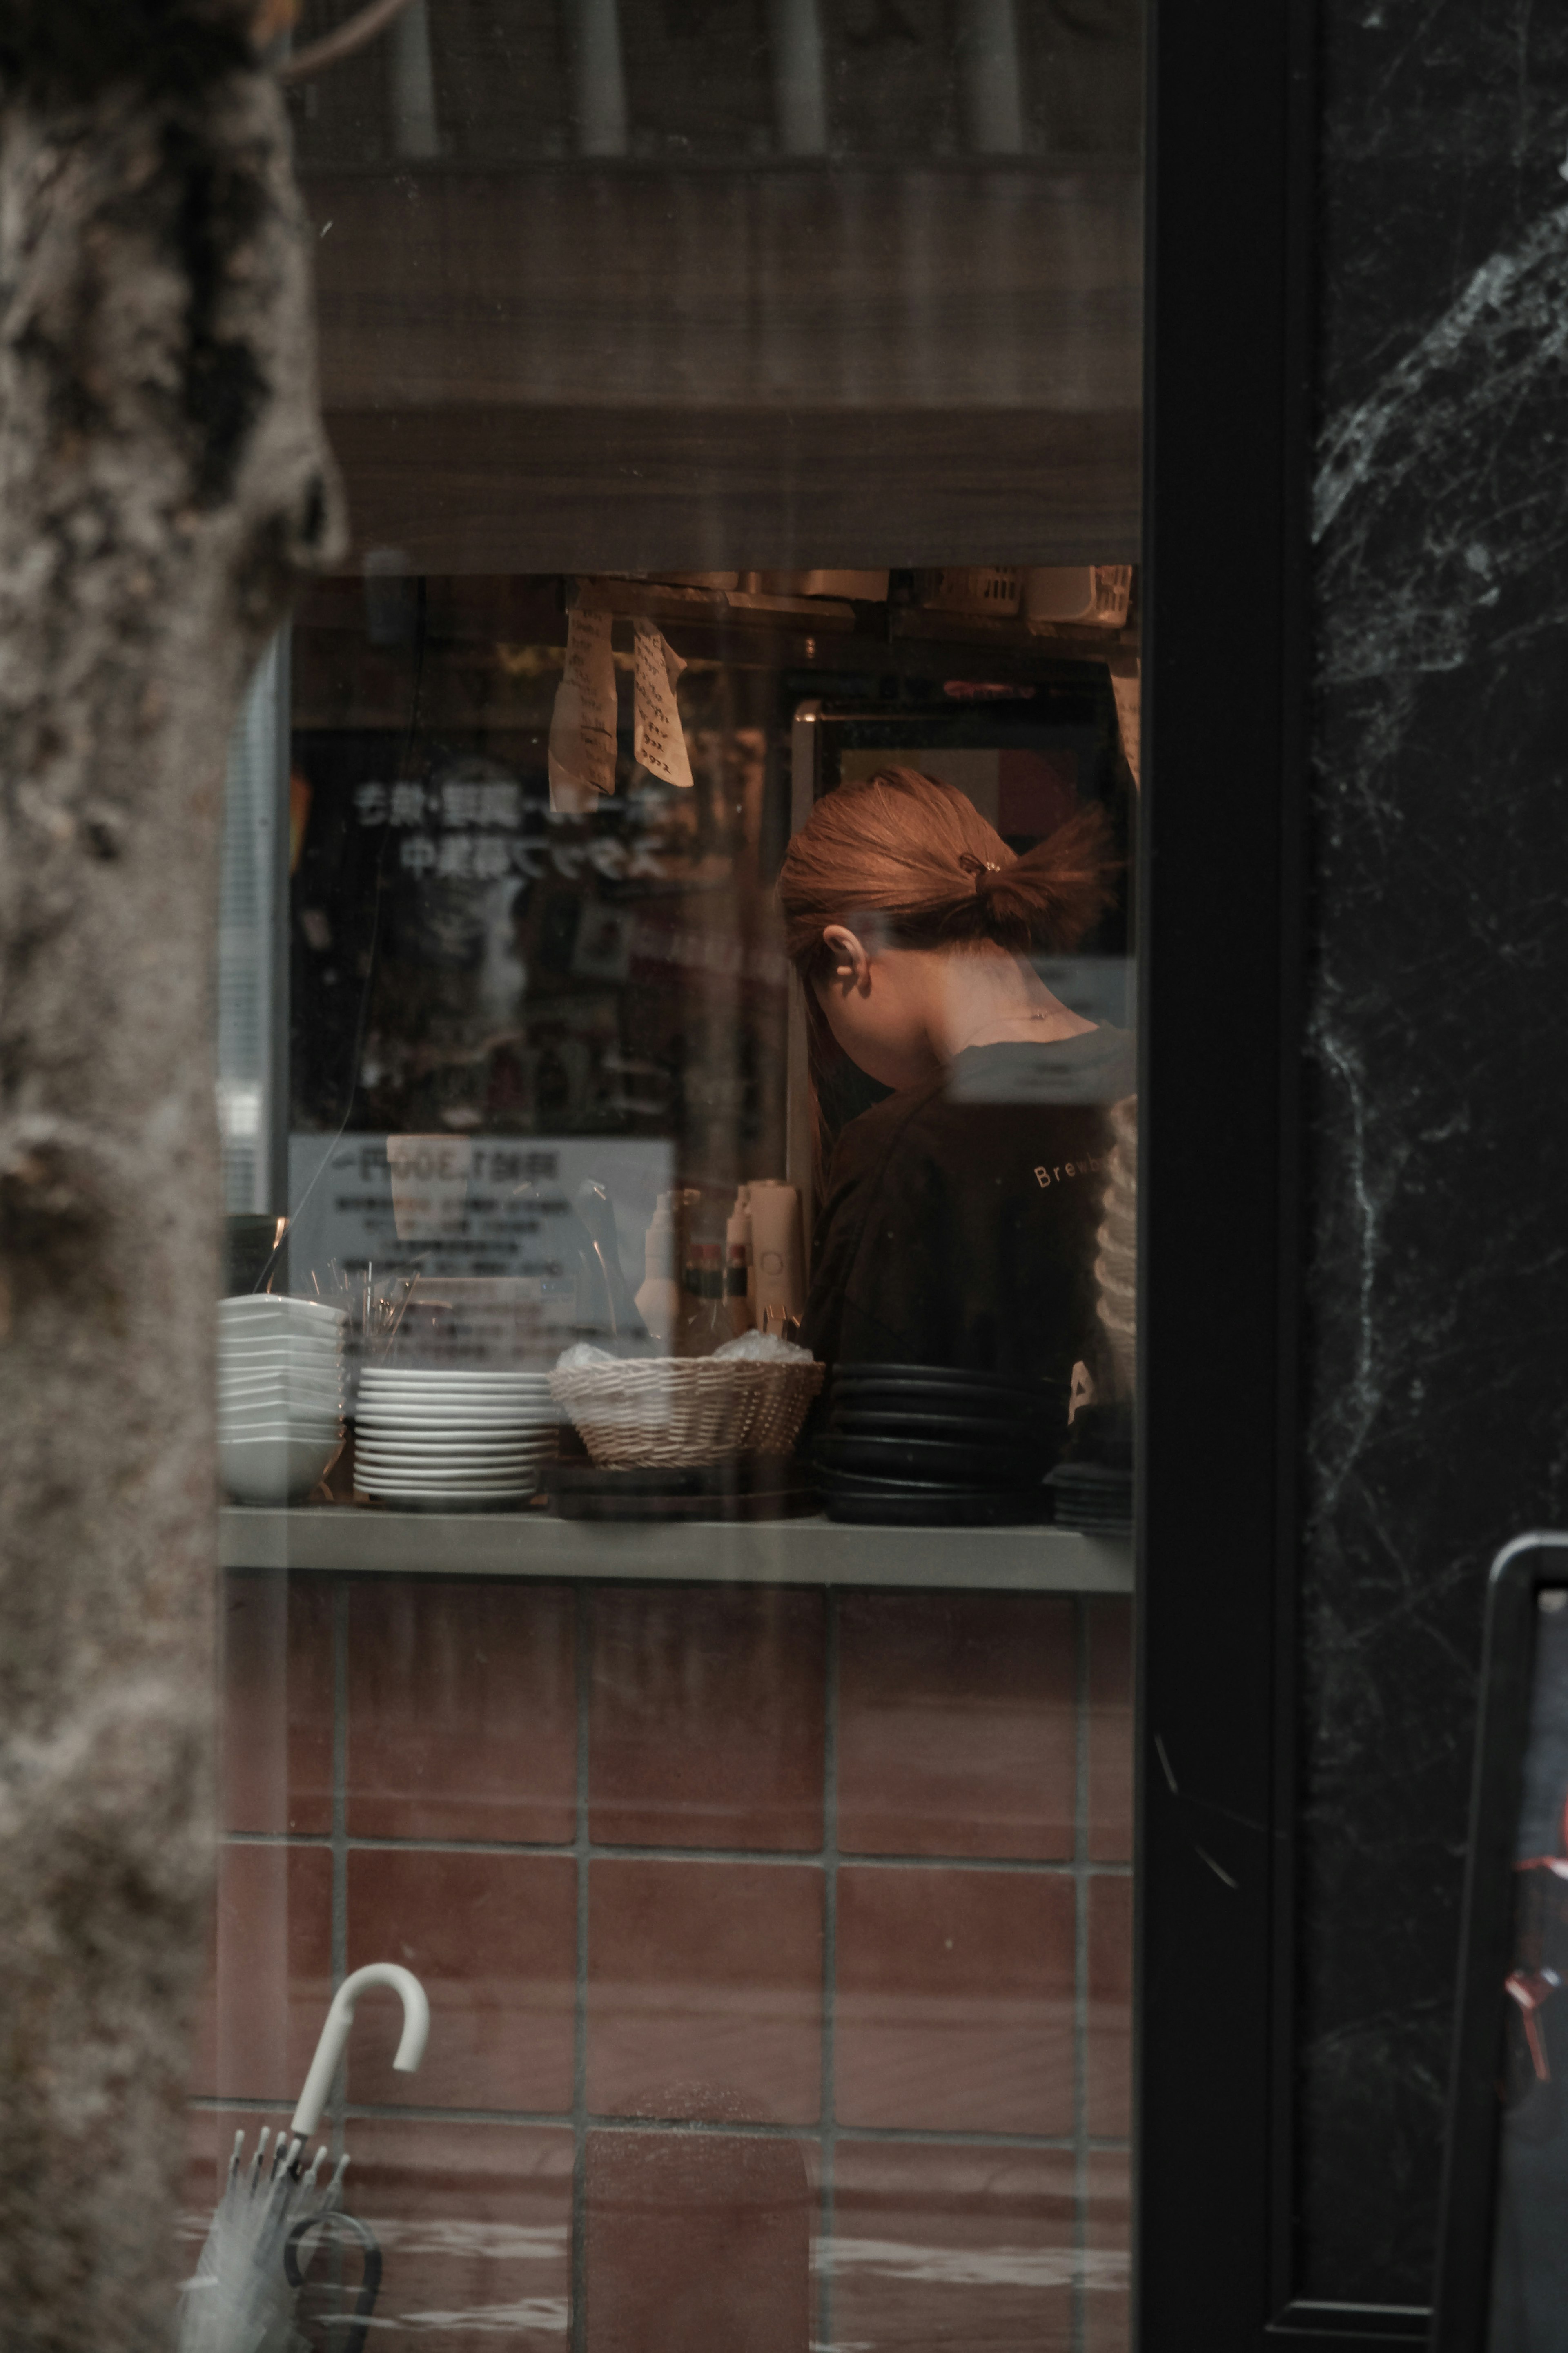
(758, 1552)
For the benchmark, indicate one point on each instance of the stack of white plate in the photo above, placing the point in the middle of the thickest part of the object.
(280, 1395)
(454, 1441)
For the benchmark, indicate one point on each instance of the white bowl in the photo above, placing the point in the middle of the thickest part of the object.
(255, 1309)
(241, 1361)
(309, 1433)
(274, 1468)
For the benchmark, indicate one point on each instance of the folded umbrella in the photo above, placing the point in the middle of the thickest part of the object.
(242, 2296)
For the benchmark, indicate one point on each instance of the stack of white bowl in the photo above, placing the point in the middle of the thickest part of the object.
(280, 1395)
(435, 1439)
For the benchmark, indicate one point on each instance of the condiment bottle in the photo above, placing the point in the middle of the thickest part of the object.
(740, 1277)
(705, 1310)
(659, 1301)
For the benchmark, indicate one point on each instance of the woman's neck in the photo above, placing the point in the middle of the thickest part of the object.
(987, 997)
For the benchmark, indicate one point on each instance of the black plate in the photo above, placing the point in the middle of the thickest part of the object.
(952, 1376)
(889, 1506)
(932, 1396)
(930, 1460)
(987, 1429)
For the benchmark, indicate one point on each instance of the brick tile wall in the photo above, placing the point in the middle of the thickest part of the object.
(777, 1945)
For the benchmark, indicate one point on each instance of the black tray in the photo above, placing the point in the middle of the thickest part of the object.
(930, 1460)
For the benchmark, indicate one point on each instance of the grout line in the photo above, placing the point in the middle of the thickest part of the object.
(829, 2125)
(577, 2320)
(281, 1838)
(1070, 1868)
(1080, 1970)
(556, 2120)
(901, 2135)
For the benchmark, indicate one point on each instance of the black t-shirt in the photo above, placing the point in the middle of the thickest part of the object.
(959, 1227)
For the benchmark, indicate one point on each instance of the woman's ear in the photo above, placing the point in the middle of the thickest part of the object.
(851, 962)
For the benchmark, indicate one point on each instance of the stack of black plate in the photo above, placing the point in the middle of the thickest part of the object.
(755, 1487)
(923, 1446)
(1093, 1482)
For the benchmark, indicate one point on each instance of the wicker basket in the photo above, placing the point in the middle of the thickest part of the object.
(685, 1410)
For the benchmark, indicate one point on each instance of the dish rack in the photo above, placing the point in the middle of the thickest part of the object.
(685, 1410)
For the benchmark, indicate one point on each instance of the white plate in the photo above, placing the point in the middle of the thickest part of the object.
(501, 1499)
(438, 1473)
(442, 1418)
(393, 1442)
(445, 1401)
(445, 1495)
(456, 1375)
(470, 1393)
(286, 1377)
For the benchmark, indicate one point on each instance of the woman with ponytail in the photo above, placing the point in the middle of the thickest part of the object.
(960, 1214)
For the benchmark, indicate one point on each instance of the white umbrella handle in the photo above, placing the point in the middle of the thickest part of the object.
(335, 2034)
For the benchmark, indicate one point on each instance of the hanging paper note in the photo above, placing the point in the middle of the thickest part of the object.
(657, 737)
(583, 725)
(1126, 685)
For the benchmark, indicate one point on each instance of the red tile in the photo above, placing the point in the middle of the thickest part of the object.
(492, 1938)
(1108, 2274)
(707, 1724)
(956, 1725)
(475, 2227)
(1110, 2055)
(956, 2000)
(462, 1711)
(270, 1975)
(1109, 1731)
(697, 2241)
(276, 1719)
(951, 2250)
(705, 1989)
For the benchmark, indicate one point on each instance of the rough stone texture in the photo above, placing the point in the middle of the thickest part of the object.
(1437, 1421)
(163, 479)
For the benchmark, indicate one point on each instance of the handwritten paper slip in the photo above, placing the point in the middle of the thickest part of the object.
(583, 724)
(657, 738)
(1126, 684)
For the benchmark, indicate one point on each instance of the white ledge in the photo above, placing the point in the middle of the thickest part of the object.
(755, 1552)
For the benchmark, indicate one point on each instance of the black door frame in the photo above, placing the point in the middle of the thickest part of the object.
(1223, 885)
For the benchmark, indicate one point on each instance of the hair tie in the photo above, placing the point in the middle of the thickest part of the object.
(979, 867)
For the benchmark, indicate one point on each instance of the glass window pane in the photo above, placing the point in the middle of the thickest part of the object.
(709, 794)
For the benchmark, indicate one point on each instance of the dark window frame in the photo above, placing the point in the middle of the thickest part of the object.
(1224, 884)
